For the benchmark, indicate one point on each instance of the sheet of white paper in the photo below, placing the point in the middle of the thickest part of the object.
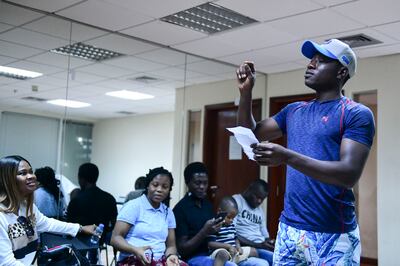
(245, 137)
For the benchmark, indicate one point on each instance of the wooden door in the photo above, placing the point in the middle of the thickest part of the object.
(226, 177)
(277, 175)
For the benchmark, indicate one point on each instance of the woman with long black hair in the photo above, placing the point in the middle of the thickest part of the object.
(48, 197)
(20, 219)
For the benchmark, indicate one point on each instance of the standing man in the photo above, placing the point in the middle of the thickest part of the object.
(329, 139)
(195, 221)
(251, 225)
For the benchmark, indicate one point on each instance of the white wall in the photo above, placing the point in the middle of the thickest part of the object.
(126, 148)
(196, 98)
(381, 74)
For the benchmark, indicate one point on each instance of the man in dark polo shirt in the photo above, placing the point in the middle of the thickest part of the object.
(195, 217)
(195, 221)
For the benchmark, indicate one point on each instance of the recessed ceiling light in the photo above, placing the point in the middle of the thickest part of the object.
(86, 51)
(16, 73)
(130, 95)
(68, 103)
(208, 18)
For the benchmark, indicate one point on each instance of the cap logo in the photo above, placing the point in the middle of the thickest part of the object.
(345, 59)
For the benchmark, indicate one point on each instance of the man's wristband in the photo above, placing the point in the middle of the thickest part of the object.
(80, 229)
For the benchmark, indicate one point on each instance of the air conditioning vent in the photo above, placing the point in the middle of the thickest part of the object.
(145, 79)
(126, 113)
(35, 99)
(359, 40)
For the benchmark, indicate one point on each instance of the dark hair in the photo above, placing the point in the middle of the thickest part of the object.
(47, 179)
(259, 183)
(194, 168)
(9, 194)
(228, 202)
(89, 172)
(155, 172)
(140, 182)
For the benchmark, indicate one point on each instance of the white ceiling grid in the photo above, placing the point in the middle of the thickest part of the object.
(133, 28)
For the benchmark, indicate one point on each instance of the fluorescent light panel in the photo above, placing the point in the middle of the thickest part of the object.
(86, 51)
(208, 18)
(68, 103)
(16, 73)
(130, 95)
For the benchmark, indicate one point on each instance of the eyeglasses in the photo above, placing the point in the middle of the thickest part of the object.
(27, 225)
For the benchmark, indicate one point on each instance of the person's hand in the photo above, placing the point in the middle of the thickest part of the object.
(232, 250)
(172, 260)
(88, 229)
(269, 154)
(239, 250)
(246, 76)
(141, 255)
(269, 244)
(212, 226)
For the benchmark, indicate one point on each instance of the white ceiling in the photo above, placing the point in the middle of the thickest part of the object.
(26, 36)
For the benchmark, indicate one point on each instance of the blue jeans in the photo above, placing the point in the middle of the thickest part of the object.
(207, 261)
(265, 254)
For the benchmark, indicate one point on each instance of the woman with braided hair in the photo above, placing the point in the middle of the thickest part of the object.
(145, 228)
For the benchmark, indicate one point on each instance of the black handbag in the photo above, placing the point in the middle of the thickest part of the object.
(62, 255)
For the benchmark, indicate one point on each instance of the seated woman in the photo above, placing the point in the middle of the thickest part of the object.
(145, 228)
(48, 197)
(20, 219)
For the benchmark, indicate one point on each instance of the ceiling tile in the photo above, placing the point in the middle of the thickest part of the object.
(164, 56)
(47, 5)
(281, 67)
(256, 36)
(121, 44)
(4, 27)
(6, 59)
(163, 33)
(17, 51)
(210, 67)
(33, 39)
(104, 15)
(105, 70)
(79, 76)
(262, 10)
(371, 12)
(15, 15)
(268, 56)
(61, 28)
(379, 50)
(315, 24)
(134, 63)
(210, 47)
(391, 29)
(59, 60)
(26, 65)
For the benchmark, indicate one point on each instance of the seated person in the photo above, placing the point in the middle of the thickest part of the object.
(145, 228)
(92, 205)
(251, 225)
(224, 244)
(48, 197)
(20, 219)
(140, 185)
(195, 220)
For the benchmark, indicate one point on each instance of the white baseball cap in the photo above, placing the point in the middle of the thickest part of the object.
(335, 49)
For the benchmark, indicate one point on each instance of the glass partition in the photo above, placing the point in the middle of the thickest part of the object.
(127, 99)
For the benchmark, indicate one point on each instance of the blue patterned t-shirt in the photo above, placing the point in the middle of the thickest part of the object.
(316, 129)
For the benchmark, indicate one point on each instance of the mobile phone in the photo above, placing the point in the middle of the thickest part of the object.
(221, 216)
